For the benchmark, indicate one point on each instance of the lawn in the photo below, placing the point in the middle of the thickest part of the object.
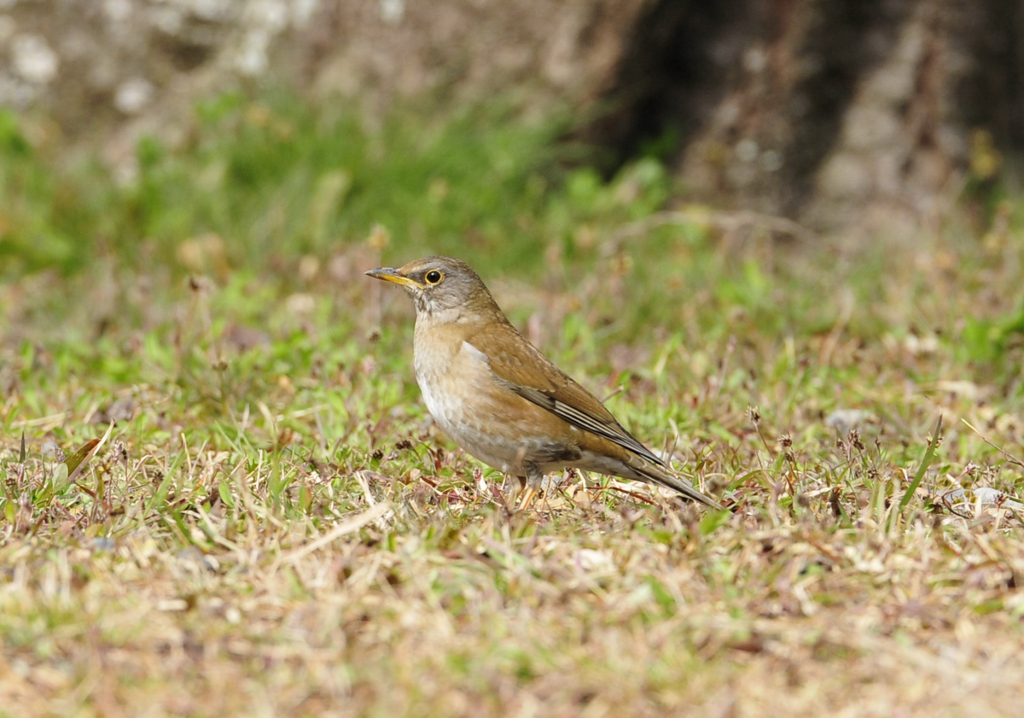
(220, 492)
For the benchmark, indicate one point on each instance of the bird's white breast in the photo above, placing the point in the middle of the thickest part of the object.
(446, 368)
(445, 377)
(460, 392)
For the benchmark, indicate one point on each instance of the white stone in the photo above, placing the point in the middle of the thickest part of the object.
(392, 11)
(33, 59)
(133, 95)
(252, 58)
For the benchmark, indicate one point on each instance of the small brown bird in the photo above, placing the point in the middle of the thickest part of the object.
(500, 399)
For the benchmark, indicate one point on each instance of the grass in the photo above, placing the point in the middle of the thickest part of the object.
(267, 523)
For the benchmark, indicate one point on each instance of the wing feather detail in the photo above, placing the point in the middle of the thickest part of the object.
(613, 431)
(528, 373)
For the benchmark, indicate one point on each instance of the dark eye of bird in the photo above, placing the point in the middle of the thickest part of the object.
(433, 276)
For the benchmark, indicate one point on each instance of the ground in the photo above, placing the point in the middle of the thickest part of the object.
(221, 493)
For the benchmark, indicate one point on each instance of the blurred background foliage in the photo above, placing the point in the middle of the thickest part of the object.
(270, 185)
(275, 179)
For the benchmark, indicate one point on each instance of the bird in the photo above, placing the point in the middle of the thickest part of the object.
(502, 401)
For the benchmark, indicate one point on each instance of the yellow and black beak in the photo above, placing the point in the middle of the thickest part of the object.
(389, 274)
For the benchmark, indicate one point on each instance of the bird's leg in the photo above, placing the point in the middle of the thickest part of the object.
(518, 484)
(534, 478)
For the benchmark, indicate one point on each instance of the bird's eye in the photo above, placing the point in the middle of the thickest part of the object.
(433, 277)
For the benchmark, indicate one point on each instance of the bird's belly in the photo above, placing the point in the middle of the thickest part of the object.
(488, 421)
(475, 421)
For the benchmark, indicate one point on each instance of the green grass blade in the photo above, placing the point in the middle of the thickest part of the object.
(926, 461)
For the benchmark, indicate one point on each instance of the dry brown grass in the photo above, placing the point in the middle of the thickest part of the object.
(277, 536)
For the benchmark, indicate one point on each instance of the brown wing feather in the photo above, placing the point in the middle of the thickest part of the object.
(531, 375)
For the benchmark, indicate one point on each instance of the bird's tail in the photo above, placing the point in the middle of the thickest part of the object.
(657, 475)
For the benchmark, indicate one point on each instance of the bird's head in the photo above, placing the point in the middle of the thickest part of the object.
(440, 284)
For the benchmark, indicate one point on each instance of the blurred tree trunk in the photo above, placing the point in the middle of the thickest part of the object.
(836, 112)
(870, 113)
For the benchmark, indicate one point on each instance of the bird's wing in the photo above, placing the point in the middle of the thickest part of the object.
(532, 376)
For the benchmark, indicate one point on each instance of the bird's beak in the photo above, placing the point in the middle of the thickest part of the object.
(388, 274)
